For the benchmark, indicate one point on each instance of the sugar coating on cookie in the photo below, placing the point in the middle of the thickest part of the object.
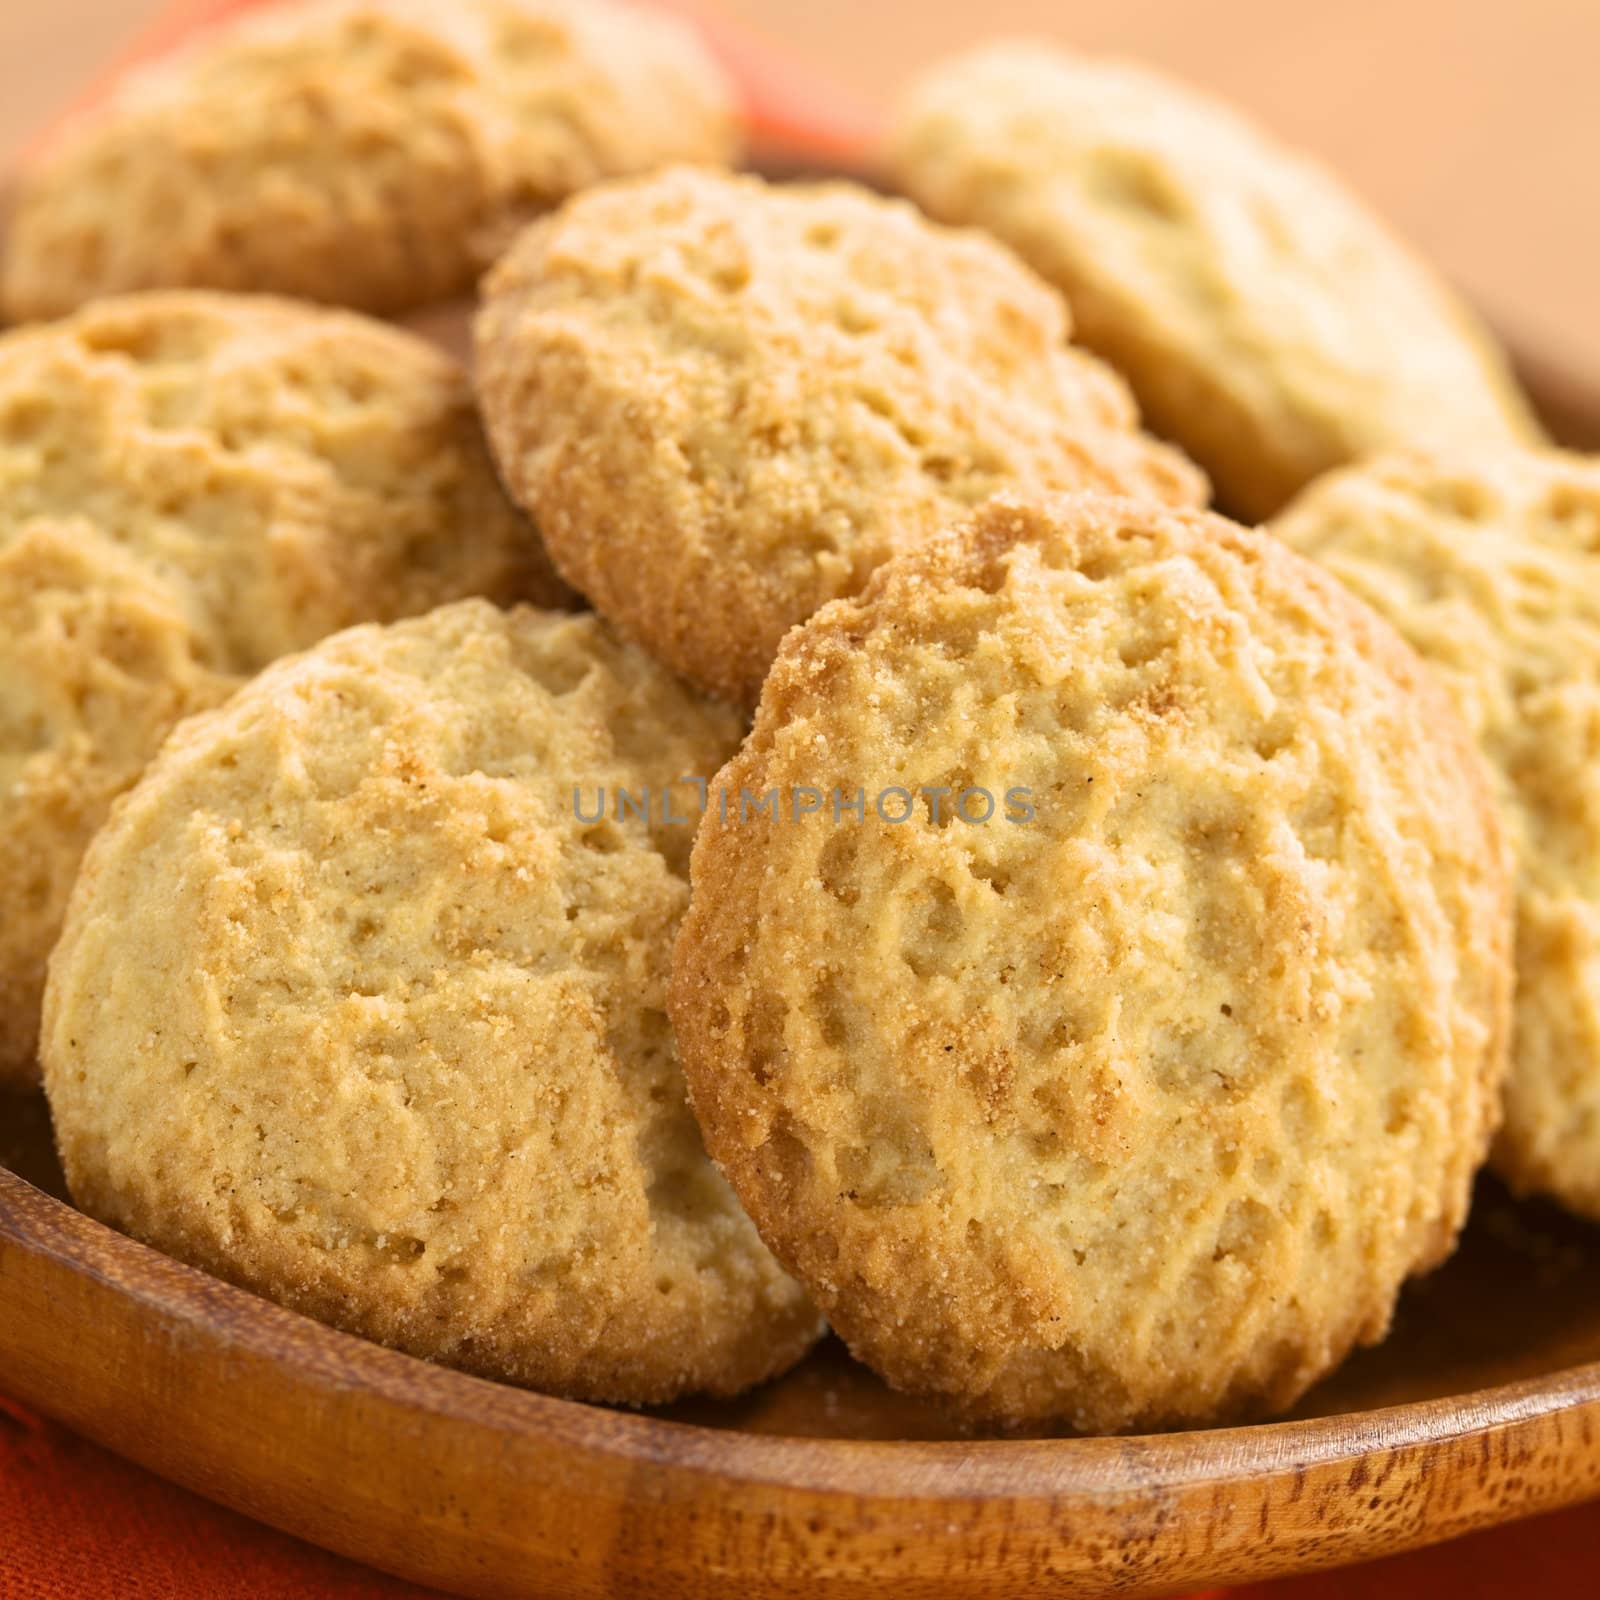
(1489, 565)
(1136, 1103)
(727, 402)
(1268, 322)
(191, 485)
(371, 153)
(356, 1008)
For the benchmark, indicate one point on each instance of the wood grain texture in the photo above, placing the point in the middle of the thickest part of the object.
(1482, 1406)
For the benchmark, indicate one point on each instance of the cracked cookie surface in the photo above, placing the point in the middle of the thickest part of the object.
(355, 1009)
(1489, 564)
(371, 153)
(191, 485)
(1138, 1111)
(726, 402)
(1268, 322)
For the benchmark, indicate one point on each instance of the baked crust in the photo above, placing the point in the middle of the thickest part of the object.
(1267, 321)
(355, 1009)
(726, 402)
(370, 153)
(1489, 564)
(1139, 1112)
(191, 485)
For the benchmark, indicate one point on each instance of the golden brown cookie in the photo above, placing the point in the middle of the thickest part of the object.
(191, 485)
(355, 1008)
(727, 402)
(1267, 321)
(1125, 1080)
(1489, 564)
(372, 153)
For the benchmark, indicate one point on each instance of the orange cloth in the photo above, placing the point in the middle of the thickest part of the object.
(78, 1524)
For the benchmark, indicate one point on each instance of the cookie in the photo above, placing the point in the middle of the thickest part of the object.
(390, 1044)
(1489, 564)
(1141, 1032)
(1267, 321)
(727, 402)
(191, 485)
(369, 154)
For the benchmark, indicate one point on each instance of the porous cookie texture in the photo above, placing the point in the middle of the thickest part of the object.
(727, 402)
(1489, 564)
(1136, 1103)
(353, 1007)
(191, 485)
(1268, 322)
(372, 153)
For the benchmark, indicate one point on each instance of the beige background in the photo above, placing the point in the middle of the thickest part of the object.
(1475, 125)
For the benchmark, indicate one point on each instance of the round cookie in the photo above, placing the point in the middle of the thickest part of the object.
(1489, 564)
(1267, 321)
(353, 1007)
(193, 484)
(726, 402)
(1135, 1103)
(371, 153)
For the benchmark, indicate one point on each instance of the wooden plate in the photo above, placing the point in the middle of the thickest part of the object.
(1482, 1406)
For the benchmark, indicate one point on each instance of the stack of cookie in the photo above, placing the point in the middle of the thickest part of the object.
(1091, 988)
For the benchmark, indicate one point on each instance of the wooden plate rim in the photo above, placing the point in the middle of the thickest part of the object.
(40, 1224)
